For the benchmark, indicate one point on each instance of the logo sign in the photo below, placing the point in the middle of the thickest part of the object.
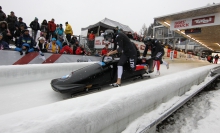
(204, 20)
(181, 24)
(193, 31)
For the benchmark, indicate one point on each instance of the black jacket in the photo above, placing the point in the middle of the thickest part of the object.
(35, 25)
(12, 20)
(2, 16)
(125, 45)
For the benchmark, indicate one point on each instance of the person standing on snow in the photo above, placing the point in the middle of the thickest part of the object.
(68, 31)
(35, 26)
(157, 52)
(216, 59)
(127, 49)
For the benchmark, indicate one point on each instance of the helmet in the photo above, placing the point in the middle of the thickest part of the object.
(108, 35)
(147, 40)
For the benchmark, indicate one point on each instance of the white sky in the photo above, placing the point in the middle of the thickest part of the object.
(82, 13)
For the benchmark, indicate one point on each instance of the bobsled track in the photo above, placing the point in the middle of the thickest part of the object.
(26, 97)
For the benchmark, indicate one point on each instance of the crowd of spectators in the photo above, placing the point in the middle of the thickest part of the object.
(53, 37)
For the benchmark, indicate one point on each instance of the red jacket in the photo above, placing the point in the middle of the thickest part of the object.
(51, 26)
(66, 49)
(104, 51)
(80, 51)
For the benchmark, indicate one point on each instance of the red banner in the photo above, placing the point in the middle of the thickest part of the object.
(204, 20)
(175, 54)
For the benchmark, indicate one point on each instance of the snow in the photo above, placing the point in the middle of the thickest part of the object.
(90, 113)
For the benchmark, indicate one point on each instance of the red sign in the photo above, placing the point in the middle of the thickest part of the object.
(204, 20)
(181, 24)
(175, 54)
(168, 52)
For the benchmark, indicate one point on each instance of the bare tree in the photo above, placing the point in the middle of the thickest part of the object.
(143, 31)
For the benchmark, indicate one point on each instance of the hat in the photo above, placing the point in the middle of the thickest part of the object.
(41, 38)
(12, 12)
(20, 18)
(66, 22)
(35, 18)
(53, 39)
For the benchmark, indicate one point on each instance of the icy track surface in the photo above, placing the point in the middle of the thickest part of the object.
(33, 94)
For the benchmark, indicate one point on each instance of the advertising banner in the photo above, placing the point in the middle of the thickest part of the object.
(195, 22)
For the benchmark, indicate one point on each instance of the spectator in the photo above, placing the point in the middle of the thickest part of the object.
(35, 26)
(5, 31)
(11, 20)
(3, 44)
(75, 46)
(59, 31)
(59, 42)
(52, 28)
(80, 50)
(44, 29)
(216, 59)
(19, 22)
(105, 50)
(68, 32)
(91, 37)
(72, 40)
(2, 15)
(66, 49)
(25, 42)
(41, 44)
(19, 32)
(52, 46)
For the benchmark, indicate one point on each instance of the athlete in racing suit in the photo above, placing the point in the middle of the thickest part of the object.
(127, 49)
(157, 52)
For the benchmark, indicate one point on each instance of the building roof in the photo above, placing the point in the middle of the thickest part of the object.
(209, 36)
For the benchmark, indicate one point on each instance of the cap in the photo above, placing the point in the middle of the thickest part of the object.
(53, 39)
(35, 18)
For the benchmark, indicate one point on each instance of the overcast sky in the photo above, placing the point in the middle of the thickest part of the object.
(82, 13)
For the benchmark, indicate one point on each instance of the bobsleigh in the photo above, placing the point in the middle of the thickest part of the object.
(96, 75)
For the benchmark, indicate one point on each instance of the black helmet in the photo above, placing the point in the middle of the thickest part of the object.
(109, 34)
(147, 40)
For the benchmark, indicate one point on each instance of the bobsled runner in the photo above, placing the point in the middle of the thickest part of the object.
(96, 75)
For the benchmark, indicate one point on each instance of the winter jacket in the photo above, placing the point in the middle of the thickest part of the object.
(44, 27)
(51, 26)
(59, 43)
(25, 39)
(68, 29)
(40, 46)
(35, 25)
(91, 36)
(66, 49)
(80, 51)
(11, 20)
(52, 47)
(3, 45)
(4, 31)
(104, 51)
(18, 24)
(59, 31)
(2, 16)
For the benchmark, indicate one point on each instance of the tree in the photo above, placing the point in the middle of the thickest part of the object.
(143, 31)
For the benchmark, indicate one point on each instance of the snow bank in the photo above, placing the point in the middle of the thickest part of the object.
(108, 111)
(11, 74)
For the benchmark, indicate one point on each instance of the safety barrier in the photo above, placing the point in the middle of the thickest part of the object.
(14, 58)
(97, 115)
(11, 74)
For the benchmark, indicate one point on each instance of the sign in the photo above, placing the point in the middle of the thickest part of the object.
(204, 20)
(193, 31)
(195, 22)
